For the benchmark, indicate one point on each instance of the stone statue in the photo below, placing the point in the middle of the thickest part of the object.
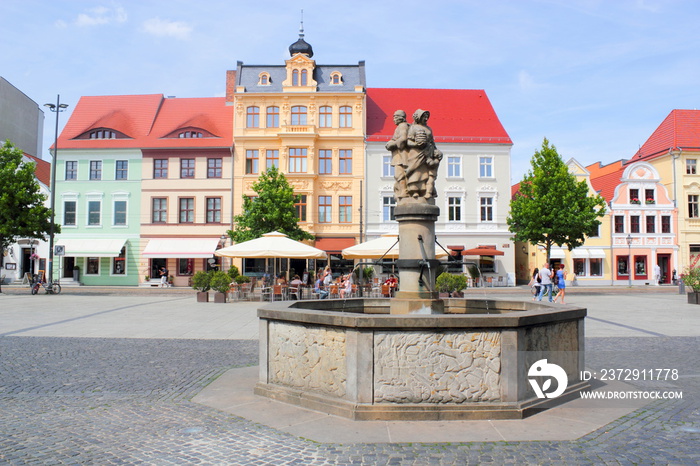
(399, 150)
(423, 158)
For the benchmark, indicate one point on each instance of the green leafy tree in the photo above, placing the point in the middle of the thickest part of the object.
(22, 210)
(271, 210)
(551, 206)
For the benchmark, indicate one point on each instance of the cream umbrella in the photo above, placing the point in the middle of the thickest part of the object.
(386, 246)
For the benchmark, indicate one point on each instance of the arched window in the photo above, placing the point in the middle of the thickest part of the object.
(295, 78)
(336, 78)
(264, 79)
(253, 117)
(299, 115)
(304, 78)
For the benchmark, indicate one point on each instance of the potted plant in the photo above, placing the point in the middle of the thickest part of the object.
(451, 284)
(201, 281)
(691, 279)
(240, 279)
(220, 282)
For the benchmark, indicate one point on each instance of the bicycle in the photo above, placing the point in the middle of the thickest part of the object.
(51, 288)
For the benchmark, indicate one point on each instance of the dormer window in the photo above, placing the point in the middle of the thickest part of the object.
(336, 78)
(295, 78)
(190, 134)
(300, 77)
(103, 134)
(264, 79)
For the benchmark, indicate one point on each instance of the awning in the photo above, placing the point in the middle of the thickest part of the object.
(91, 247)
(596, 253)
(482, 252)
(334, 245)
(580, 254)
(556, 254)
(185, 248)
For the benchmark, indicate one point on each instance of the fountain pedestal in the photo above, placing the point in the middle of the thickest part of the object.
(416, 263)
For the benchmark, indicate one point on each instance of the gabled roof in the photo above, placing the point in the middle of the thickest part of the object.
(456, 115)
(42, 170)
(146, 120)
(680, 129)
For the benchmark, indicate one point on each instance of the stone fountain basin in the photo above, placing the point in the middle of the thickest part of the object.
(352, 358)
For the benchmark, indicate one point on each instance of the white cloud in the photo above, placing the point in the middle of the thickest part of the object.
(102, 15)
(165, 28)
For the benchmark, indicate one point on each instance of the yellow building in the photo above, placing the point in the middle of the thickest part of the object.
(308, 120)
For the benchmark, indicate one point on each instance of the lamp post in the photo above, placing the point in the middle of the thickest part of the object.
(57, 108)
(629, 259)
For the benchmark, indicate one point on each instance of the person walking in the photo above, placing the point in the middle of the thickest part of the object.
(535, 283)
(164, 278)
(561, 284)
(546, 283)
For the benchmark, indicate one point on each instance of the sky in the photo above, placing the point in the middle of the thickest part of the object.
(594, 77)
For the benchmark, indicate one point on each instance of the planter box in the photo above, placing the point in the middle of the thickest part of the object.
(219, 297)
(202, 296)
(694, 297)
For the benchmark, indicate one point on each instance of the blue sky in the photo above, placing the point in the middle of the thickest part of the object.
(595, 77)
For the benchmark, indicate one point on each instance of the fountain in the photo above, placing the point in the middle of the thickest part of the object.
(416, 356)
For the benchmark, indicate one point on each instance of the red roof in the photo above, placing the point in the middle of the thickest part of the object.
(456, 115)
(42, 170)
(680, 129)
(146, 120)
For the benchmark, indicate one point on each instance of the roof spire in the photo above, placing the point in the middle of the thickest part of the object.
(301, 46)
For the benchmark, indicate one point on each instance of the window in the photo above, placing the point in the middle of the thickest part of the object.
(96, 170)
(272, 158)
(185, 266)
(120, 213)
(388, 170)
(122, 172)
(187, 210)
(93, 266)
(252, 117)
(304, 77)
(297, 160)
(649, 196)
(651, 224)
(190, 134)
(388, 206)
(345, 209)
(454, 209)
(454, 167)
(251, 161)
(345, 117)
(580, 267)
(103, 134)
(71, 170)
(119, 263)
(634, 196)
(640, 265)
(295, 77)
(485, 167)
(69, 213)
(336, 78)
(665, 224)
(619, 224)
(159, 210)
(213, 210)
(273, 117)
(596, 267)
(345, 162)
(214, 168)
(693, 206)
(264, 79)
(325, 162)
(324, 209)
(622, 265)
(634, 224)
(299, 115)
(300, 206)
(160, 168)
(486, 209)
(691, 167)
(325, 117)
(186, 168)
(94, 212)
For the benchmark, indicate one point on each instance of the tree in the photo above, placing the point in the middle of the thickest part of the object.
(271, 210)
(551, 207)
(22, 210)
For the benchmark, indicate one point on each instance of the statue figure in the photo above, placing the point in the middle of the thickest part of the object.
(397, 147)
(423, 158)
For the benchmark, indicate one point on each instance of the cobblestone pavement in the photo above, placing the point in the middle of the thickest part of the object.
(127, 401)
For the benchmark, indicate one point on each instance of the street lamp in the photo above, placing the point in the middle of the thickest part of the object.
(57, 108)
(629, 259)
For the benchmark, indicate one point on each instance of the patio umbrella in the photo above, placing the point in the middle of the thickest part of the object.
(386, 245)
(482, 252)
(272, 245)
